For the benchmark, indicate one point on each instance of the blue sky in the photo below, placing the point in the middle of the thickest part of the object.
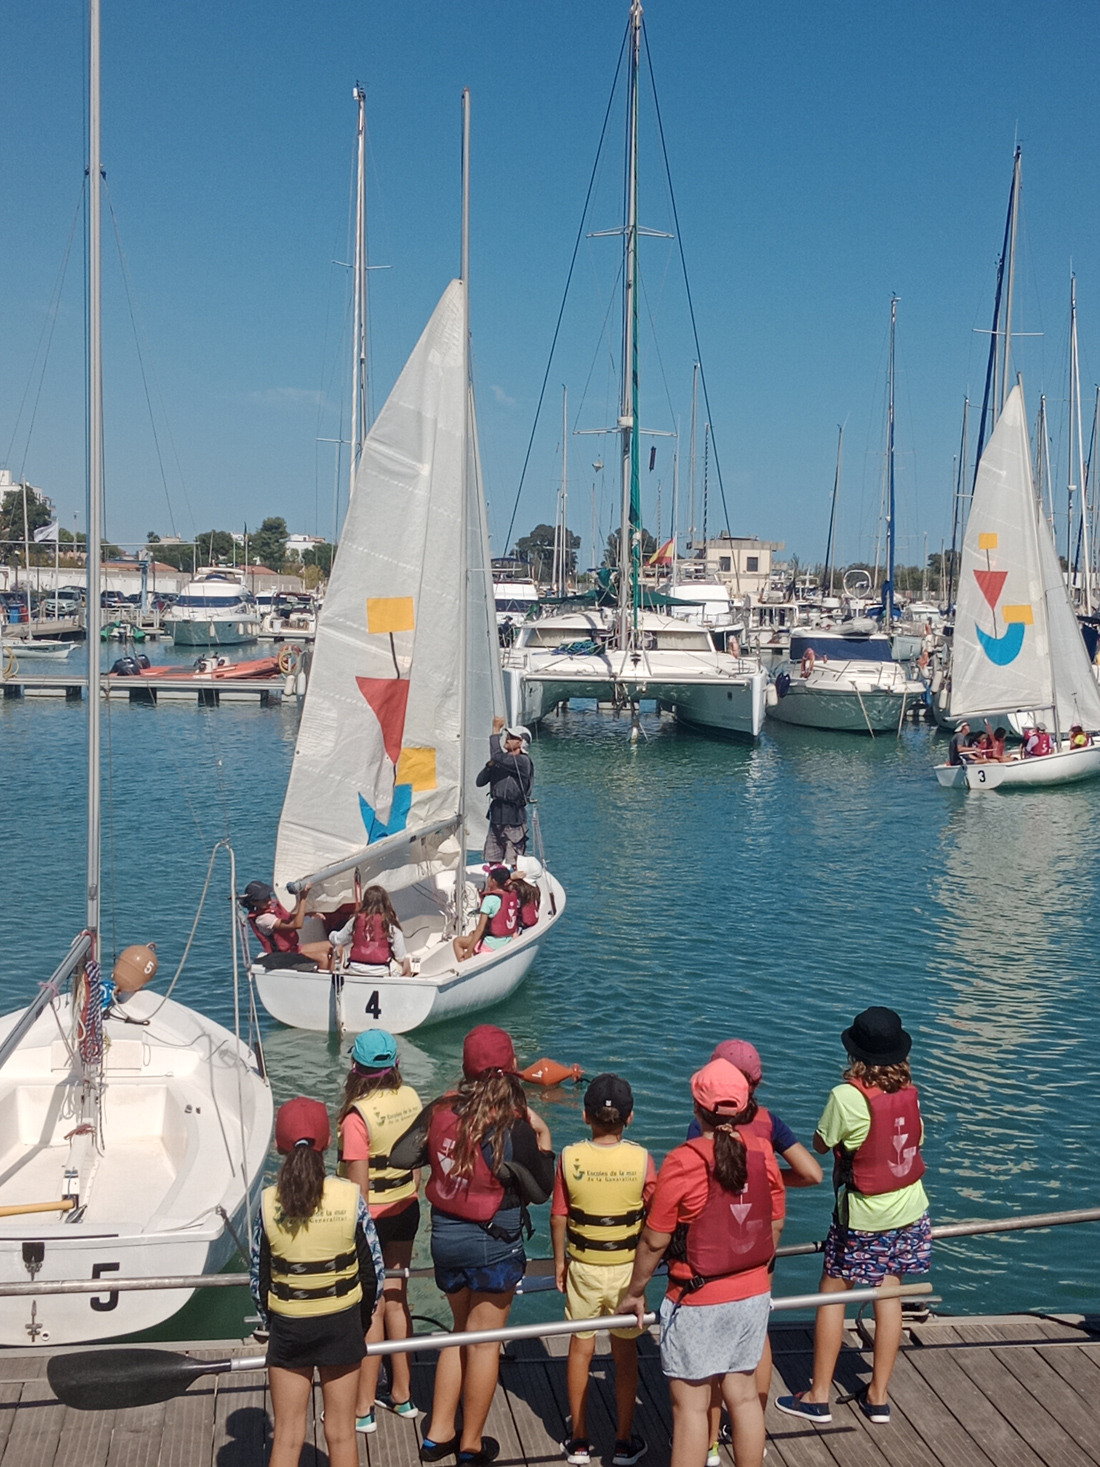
(823, 155)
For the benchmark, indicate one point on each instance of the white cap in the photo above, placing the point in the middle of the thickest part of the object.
(518, 731)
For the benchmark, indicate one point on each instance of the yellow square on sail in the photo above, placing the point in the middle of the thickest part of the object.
(417, 767)
(1017, 613)
(390, 614)
(987, 540)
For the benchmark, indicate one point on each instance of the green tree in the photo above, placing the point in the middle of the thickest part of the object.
(319, 556)
(611, 555)
(268, 544)
(537, 549)
(11, 518)
(214, 547)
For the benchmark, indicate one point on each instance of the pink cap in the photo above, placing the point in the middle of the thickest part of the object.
(720, 1088)
(741, 1053)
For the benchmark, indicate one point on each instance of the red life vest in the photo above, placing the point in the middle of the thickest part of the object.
(476, 1198)
(528, 914)
(760, 1125)
(505, 922)
(886, 1161)
(370, 942)
(275, 941)
(1042, 743)
(733, 1233)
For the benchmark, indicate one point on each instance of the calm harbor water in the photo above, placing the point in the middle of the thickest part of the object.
(714, 889)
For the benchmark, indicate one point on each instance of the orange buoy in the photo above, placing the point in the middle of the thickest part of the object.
(549, 1072)
(135, 967)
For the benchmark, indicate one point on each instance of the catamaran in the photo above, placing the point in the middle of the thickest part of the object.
(133, 1130)
(1018, 650)
(403, 691)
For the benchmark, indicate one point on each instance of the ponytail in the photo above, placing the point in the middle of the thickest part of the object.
(731, 1167)
(301, 1183)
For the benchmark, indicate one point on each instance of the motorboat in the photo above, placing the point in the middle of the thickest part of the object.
(842, 679)
(215, 609)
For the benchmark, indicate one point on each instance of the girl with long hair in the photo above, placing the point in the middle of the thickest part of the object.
(316, 1273)
(372, 940)
(377, 1109)
(718, 1210)
(881, 1230)
(489, 1154)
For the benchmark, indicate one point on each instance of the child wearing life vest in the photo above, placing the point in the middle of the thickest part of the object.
(719, 1204)
(276, 929)
(601, 1191)
(497, 917)
(378, 1107)
(880, 1230)
(489, 1155)
(528, 901)
(372, 940)
(802, 1170)
(316, 1273)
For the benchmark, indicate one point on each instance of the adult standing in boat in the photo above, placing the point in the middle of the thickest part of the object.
(714, 1318)
(490, 1155)
(510, 775)
(316, 1273)
(378, 1108)
(880, 1230)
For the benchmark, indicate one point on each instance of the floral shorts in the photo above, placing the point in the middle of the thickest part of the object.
(868, 1258)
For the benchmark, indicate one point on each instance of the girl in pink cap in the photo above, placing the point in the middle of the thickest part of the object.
(719, 1204)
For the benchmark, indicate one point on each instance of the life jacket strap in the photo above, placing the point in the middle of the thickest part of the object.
(324, 1265)
(620, 1220)
(603, 1245)
(387, 1184)
(336, 1290)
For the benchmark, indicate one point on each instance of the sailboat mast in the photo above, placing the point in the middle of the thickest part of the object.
(1005, 266)
(95, 466)
(1076, 431)
(1006, 334)
(629, 534)
(691, 464)
(464, 528)
(359, 322)
(827, 577)
(561, 549)
(676, 509)
(888, 583)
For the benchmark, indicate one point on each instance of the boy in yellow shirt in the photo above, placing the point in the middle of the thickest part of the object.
(601, 1192)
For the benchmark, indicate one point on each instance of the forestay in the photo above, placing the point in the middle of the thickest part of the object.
(379, 753)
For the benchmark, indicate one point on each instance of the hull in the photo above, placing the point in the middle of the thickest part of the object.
(444, 989)
(1066, 766)
(214, 632)
(42, 651)
(842, 710)
(186, 1122)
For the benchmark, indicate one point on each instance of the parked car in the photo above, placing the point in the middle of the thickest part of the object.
(112, 600)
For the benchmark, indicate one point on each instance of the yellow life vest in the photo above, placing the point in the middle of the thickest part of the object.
(314, 1265)
(604, 1186)
(387, 1115)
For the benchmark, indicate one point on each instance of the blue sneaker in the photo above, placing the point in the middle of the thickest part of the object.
(880, 1415)
(366, 1424)
(815, 1411)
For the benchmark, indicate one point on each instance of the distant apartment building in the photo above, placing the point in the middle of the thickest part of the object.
(742, 563)
(297, 545)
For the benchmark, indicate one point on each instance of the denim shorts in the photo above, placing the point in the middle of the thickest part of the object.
(466, 1256)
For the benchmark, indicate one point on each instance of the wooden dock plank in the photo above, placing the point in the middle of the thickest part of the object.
(934, 1424)
(189, 1428)
(32, 1441)
(136, 1437)
(85, 1437)
(970, 1405)
(1039, 1378)
(1079, 1368)
(1020, 1409)
(536, 1411)
(10, 1391)
(240, 1420)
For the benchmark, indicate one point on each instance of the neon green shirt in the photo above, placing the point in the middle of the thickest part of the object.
(846, 1121)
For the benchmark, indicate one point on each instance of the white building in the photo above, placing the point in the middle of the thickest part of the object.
(742, 563)
(297, 545)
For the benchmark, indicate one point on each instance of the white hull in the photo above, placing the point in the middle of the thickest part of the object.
(1065, 766)
(44, 651)
(213, 631)
(852, 697)
(181, 1098)
(443, 989)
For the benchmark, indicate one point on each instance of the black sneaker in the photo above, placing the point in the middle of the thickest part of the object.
(578, 1450)
(490, 1451)
(880, 1415)
(628, 1452)
(435, 1451)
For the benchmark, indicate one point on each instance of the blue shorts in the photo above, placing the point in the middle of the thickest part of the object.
(868, 1258)
(490, 1278)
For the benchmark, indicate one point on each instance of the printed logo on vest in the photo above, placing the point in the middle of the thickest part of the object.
(905, 1154)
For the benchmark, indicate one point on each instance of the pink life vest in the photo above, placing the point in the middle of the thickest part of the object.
(506, 921)
(761, 1125)
(886, 1161)
(370, 943)
(528, 914)
(1042, 743)
(476, 1198)
(733, 1233)
(275, 941)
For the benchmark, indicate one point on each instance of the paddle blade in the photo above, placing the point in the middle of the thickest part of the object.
(110, 1380)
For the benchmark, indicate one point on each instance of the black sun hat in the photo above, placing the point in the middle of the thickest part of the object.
(877, 1038)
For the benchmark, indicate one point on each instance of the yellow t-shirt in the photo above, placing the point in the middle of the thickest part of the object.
(846, 1121)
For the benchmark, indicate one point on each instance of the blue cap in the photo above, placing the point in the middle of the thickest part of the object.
(375, 1049)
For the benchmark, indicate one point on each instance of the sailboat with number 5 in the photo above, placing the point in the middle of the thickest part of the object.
(403, 691)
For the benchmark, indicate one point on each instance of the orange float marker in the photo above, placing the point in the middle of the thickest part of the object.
(549, 1072)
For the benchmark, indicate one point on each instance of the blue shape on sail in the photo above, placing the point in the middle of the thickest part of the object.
(399, 814)
(1002, 650)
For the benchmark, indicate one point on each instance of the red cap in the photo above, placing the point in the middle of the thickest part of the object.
(487, 1048)
(720, 1088)
(741, 1053)
(302, 1120)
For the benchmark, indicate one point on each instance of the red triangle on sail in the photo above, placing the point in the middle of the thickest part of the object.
(388, 696)
(992, 583)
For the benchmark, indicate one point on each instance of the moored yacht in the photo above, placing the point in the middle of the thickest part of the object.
(840, 679)
(216, 609)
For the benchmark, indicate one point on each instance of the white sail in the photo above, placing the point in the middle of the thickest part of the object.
(1001, 658)
(1076, 694)
(379, 747)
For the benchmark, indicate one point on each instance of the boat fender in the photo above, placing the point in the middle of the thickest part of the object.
(550, 1072)
(808, 660)
(290, 658)
(135, 967)
(783, 684)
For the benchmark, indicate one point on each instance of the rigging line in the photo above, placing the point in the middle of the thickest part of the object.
(48, 327)
(687, 283)
(141, 361)
(656, 343)
(603, 338)
(191, 934)
(565, 293)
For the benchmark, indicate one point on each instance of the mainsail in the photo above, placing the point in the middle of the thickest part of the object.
(380, 756)
(1017, 646)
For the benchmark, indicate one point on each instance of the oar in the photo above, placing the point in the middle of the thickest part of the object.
(111, 1380)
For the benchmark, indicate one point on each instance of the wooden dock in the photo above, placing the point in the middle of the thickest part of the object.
(1007, 1391)
(207, 691)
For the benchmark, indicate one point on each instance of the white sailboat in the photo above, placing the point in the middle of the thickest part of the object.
(1018, 650)
(133, 1131)
(404, 686)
